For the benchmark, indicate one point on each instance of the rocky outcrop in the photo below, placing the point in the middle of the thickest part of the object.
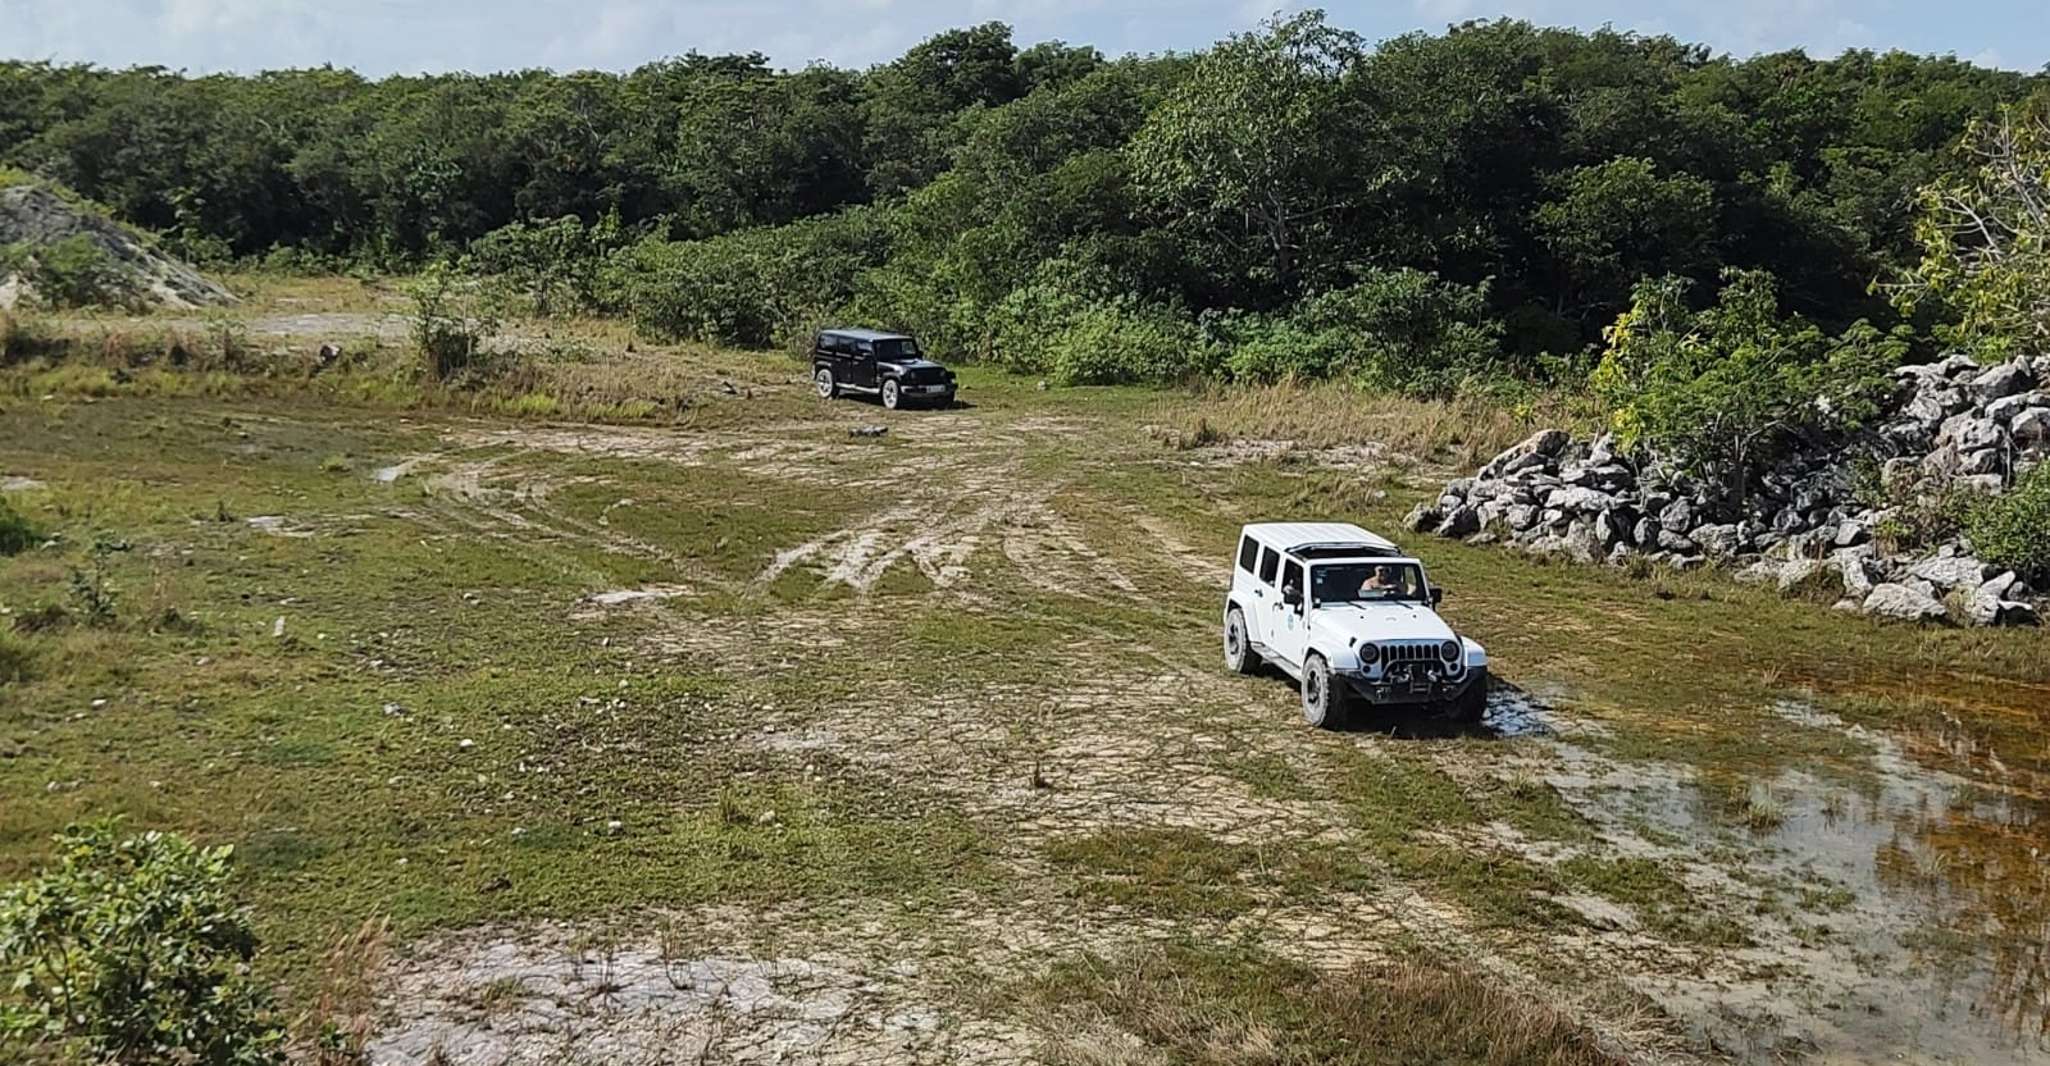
(1953, 425)
(36, 216)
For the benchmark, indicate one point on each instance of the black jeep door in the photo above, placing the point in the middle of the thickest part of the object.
(861, 368)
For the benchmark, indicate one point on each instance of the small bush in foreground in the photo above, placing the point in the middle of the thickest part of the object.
(2013, 530)
(91, 593)
(129, 950)
(453, 318)
(16, 535)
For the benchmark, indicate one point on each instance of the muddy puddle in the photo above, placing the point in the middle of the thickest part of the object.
(1893, 904)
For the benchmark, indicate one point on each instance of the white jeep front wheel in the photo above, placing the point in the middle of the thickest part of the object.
(1326, 701)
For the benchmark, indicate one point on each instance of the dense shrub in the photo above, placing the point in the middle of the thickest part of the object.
(2013, 530)
(751, 288)
(1069, 324)
(1023, 323)
(1404, 330)
(1123, 342)
(558, 263)
(130, 951)
(1722, 391)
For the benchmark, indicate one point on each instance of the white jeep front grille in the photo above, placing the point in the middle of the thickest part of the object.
(1409, 653)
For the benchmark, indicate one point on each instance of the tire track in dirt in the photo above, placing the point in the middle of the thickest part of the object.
(1117, 736)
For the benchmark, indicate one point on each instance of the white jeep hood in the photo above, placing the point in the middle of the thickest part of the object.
(1381, 621)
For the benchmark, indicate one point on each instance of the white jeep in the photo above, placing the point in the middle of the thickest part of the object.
(1352, 618)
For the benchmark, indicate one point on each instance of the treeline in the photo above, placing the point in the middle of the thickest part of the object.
(1292, 201)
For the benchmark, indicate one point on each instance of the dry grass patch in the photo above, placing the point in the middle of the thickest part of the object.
(1210, 1006)
(1465, 431)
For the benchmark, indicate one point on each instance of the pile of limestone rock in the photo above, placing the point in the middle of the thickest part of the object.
(33, 216)
(1952, 426)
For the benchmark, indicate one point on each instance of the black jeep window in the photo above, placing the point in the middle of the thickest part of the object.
(864, 348)
(1268, 561)
(902, 348)
(1249, 553)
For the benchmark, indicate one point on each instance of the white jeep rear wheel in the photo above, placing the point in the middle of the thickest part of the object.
(1239, 656)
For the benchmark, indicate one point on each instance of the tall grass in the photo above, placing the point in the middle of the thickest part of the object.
(1464, 430)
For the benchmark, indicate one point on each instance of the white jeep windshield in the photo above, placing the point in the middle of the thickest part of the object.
(1365, 582)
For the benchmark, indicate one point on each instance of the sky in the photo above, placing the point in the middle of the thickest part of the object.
(380, 37)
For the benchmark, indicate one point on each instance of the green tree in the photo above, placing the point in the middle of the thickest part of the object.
(1985, 236)
(1615, 222)
(1251, 147)
(909, 105)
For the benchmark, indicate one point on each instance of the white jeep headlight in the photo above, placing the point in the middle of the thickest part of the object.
(1450, 651)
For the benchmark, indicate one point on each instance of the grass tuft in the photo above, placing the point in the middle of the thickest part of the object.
(16, 535)
(17, 659)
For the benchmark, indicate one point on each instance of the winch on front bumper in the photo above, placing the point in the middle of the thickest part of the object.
(1413, 680)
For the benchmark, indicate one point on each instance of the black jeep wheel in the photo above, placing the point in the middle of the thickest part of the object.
(1239, 656)
(823, 381)
(1327, 703)
(891, 395)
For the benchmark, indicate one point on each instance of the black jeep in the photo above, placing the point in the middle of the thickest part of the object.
(885, 365)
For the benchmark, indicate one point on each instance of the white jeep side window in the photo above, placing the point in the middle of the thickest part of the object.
(1269, 562)
(1249, 553)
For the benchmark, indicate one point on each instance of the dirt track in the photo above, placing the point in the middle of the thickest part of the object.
(1021, 520)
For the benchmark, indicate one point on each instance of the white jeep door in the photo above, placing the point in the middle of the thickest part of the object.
(1246, 590)
(1283, 626)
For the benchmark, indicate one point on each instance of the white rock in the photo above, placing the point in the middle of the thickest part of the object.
(2003, 380)
(2005, 408)
(2031, 426)
(1902, 603)
(1952, 572)
(1798, 572)
(2000, 585)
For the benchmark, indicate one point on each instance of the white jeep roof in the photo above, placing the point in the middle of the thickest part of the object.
(1291, 536)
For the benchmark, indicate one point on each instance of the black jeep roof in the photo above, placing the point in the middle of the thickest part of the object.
(865, 334)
